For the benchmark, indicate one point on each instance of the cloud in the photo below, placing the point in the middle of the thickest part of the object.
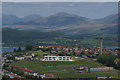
(60, 0)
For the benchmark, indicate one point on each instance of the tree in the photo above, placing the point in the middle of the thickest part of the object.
(68, 55)
(61, 54)
(11, 70)
(20, 73)
(82, 53)
(30, 76)
(39, 78)
(108, 60)
(4, 77)
(19, 49)
(15, 50)
(11, 58)
(118, 55)
(28, 47)
(35, 49)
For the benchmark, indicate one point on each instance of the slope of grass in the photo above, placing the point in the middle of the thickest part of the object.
(109, 41)
(51, 67)
(82, 75)
(39, 52)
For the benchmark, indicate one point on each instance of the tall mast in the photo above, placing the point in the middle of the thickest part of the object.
(101, 45)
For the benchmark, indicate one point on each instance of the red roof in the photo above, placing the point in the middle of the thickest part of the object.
(28, 70)
(64, 79)
(48, 74)
(12, 74)
(55, 77)
(23, 77)
(4, 70)
(23, 68)
(85, 52)
(16, 66)
(17, 76)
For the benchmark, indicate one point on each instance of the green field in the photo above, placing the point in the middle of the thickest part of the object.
(38, 52)
(52, 67)
(0, 77)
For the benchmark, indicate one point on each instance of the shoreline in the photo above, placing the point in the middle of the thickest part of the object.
(12, 47)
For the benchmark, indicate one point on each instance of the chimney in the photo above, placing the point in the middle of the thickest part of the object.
(101, 42)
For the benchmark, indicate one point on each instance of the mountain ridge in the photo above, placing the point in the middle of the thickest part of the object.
(68, 24)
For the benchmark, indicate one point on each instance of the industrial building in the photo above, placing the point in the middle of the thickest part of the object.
(95, 69)
(56, 58)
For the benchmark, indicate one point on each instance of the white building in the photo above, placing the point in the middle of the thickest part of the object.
(57, 58)
(19, 58)
(33, 73)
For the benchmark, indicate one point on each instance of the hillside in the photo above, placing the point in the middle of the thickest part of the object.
(109, 41)
(111, 19)
(13, 36)
(67, 24)
(9, 19)
(62, 69)
(59, 29)
(58, 19)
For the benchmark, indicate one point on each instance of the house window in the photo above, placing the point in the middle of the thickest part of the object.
(46, 59)
(50, 58)
(68, 58)
(63, 58)
(53, 58)
(60, 58)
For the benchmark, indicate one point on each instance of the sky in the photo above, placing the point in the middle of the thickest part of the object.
(60, 0)
(92, 10)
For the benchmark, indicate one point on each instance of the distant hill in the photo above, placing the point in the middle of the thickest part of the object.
(13, 19)
(9, 19)
(64, 23)
(111, 19)
(59, 19)
(30, 17)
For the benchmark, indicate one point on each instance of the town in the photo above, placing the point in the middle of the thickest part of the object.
(56, 59)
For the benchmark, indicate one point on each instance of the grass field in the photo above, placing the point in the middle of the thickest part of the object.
(51, 67)
(0, 77)
(39, 52)
(82, 75)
